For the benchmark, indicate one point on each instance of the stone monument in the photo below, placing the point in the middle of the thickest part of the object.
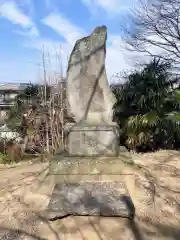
(89, 179)
(90, 99)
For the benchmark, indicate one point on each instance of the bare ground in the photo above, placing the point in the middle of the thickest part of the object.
(25, 190)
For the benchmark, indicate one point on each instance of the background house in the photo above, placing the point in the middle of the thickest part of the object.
(8, 94)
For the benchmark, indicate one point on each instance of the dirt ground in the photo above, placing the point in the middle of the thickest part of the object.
(25, 190)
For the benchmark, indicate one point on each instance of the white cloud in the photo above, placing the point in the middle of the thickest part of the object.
(56, 54)
(115, 60)
(30, 32)
(11, 12)
(59, 51)
(28, 5)
(64, 27)
(110, 6)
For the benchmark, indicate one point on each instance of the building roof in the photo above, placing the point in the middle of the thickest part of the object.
(13, 86)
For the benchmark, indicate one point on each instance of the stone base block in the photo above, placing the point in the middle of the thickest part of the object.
(63, 168)
(90, 199)
(92, 140)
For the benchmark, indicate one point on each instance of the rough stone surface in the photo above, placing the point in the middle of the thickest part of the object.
(90, 198)
(89, 95)
(93, 140)
(62, 165)
(90, 169)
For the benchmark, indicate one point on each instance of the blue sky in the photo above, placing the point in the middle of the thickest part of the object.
(29, 26)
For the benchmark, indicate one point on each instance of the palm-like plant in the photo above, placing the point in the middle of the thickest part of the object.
(148, 107)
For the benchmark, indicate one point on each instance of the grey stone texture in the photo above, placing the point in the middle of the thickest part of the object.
(90, 198)
(93, 140)
(89, 96)
(82, 168)
(89, 186)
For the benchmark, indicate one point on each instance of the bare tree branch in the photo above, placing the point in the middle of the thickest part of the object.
(155, 30)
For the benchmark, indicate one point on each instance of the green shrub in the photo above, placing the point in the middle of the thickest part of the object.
(4, 159)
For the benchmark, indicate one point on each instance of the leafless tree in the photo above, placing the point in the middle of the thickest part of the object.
(155, 29)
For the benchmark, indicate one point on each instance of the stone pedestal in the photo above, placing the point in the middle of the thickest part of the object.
(90, 186)
(92, 140)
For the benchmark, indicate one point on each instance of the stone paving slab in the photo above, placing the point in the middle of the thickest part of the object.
(90, 199)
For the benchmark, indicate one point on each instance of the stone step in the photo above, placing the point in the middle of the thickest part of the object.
(93, 198)
(93, 177)
(94, 166)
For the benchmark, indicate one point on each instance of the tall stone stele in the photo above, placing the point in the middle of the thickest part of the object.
(90, 99)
